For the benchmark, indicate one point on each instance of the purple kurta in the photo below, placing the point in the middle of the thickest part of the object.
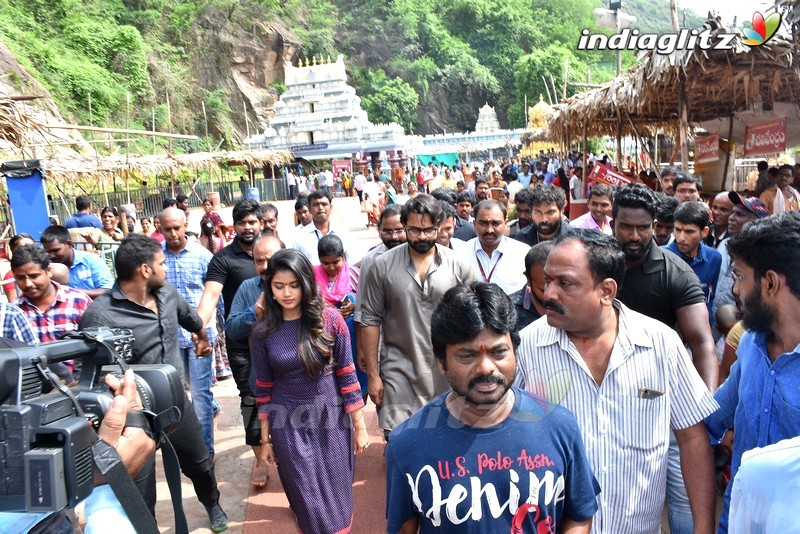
(310, 427)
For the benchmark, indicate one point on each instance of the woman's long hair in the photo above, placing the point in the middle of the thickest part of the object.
(207, 230)
(312, 334)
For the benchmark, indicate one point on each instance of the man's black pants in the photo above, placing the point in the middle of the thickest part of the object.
(186, 437)
(240, 368)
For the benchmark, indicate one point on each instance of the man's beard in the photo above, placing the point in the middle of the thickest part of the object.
(524, 223)
(756, 315)
(644, 248)
(247, 241)
(391, 243)
(422, 245)
(545, 228)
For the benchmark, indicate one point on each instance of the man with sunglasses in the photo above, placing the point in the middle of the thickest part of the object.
(400, 291)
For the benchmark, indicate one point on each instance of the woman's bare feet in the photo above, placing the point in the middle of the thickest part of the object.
(260, 474)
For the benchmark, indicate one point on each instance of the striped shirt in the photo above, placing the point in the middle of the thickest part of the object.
(626, 436)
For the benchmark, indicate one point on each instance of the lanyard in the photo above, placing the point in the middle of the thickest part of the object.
(488, 279)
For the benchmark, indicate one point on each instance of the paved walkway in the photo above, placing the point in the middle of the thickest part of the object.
(266, 510)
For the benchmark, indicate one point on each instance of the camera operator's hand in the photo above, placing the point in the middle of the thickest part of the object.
(133, 445)
(202, 347)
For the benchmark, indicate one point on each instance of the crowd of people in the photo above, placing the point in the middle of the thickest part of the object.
(534, 369)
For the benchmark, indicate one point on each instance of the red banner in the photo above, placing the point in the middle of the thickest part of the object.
(338, 166)
(604, 175)
(706, 148)
(766, 137)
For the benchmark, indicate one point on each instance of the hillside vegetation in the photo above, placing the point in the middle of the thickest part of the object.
(428, 66)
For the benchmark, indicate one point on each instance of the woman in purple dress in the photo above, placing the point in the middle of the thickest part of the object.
(306, 387)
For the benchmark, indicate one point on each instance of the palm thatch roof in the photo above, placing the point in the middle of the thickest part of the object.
(80, 166)
(13, 124)
(718, 83)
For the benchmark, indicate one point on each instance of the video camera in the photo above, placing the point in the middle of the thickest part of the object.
(46, 460)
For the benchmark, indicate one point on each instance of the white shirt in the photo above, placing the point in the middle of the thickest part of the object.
(626, 437)
(575, 186)
(290, 179)
(513, 188)
(506, 267)
(306, 240)
(329, 181)
(766, 490)
(359, 181)
(372, 191)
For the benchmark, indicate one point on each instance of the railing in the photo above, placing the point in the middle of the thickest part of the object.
(148, 202)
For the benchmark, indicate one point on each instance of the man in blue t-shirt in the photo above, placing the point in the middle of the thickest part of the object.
(691, 228)
(84, 217)
(488, 457)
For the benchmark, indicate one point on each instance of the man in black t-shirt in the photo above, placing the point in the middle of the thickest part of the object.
(662, 286)
(228, 269)
(658, 283)
(547, 212)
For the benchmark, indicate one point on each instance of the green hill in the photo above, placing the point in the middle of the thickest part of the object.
(426, 66)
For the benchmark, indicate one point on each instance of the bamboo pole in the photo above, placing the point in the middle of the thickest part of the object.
(728, 158)
(547, 88)
(585, 143)
(110, 137)
(119, 131)
(169, 127)
(640, 139)
(153, 126)
(208, 144)
(127, 149)
(683, 114)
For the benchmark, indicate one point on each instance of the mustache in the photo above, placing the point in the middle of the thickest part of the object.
(555, 306)
(487, 379)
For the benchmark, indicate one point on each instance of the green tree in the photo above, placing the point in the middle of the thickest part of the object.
(388, 100)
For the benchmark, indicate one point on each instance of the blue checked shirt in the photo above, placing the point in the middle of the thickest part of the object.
(16, 325)
(187, 272)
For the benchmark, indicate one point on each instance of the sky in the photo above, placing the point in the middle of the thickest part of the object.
(741, 9)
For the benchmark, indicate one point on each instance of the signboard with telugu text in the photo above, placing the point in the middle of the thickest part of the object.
(706, 148)
(341, 165)
(768, 137)
(608, 176)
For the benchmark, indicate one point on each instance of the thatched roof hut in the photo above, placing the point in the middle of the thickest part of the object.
(13, 124)
(718, 83)
(72, 167)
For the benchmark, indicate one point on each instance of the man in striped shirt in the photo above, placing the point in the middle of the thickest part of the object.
(627, 379)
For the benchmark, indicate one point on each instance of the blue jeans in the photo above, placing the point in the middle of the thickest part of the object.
(198, 373)
(679, 512)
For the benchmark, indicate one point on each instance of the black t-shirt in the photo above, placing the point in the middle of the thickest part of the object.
(660, 286)
(530, 235)
(464, 230)
(230, 267)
